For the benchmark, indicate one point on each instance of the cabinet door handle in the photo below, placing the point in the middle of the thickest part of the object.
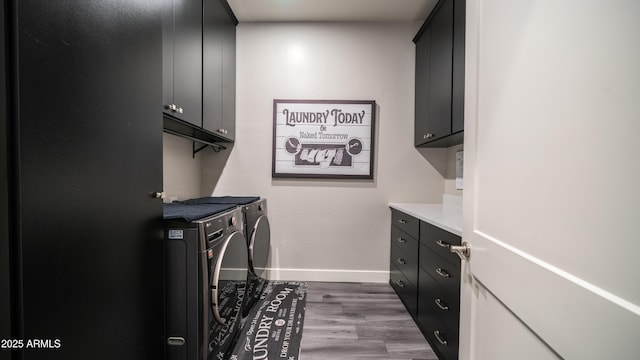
(443, 272)
(175, 341)
(401, 261)
(401, 240)
(427, 136)
(441, 340)
(179, 110)
(402, 221)
(400, 283)
(443, 244)
(441, 305)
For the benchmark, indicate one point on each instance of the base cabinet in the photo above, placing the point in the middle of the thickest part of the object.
(404, 259)
(430, 287)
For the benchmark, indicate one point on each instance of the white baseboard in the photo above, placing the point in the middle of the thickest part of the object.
(328, 275)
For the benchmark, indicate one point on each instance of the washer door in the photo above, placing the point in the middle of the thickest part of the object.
(260, 246)
(229, 280)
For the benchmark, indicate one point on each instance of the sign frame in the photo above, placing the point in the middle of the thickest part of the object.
(323, 139)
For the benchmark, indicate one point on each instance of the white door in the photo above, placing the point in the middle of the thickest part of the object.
(552, 167)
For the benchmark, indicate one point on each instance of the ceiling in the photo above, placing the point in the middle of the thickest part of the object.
(331, 10)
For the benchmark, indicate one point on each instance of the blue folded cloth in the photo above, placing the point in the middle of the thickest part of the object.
(237, 200)
(189, 213)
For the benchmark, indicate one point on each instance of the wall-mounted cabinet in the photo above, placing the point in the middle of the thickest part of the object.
(219, 70)
(439, 92)
(182, 61)
(199, 70)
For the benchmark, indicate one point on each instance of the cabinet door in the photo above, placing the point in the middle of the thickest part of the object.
(229, 76)
(212, 66)
(440, 69)
(219, 75)
(185, 41)
(406, 291)
(457, 93)
(423, 48)
(168, 39)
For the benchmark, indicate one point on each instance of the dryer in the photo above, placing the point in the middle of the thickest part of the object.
(258, 235)
(206, 273)
(257, 230)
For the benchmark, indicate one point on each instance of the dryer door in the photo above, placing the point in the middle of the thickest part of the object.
(229, 280)
(260, 246)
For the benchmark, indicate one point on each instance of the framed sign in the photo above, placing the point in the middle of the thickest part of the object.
(323, 139)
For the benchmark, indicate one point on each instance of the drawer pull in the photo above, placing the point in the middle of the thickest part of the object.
(401, 261)
(402, 221)
(442, 341)
(441, 305)
(443, 244)
(401, 240)
(400, 283)
(443, 272)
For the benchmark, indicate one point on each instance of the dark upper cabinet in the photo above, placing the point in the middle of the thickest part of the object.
(439, 92)
(457, 93)
(182, 60)
(199, 42)
(219, 69)
(423, 76)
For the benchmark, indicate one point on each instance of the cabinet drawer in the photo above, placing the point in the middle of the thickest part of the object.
(404, 242)
(405, 222)
(442, 338)
(439, 241)
(445, 273)
(432, 297)
(405, 290)
(406, 263)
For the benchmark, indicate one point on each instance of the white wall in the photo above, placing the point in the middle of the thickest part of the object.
(181, 172)
(327, 230)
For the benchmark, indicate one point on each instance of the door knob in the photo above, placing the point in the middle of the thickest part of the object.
(463, 251)
(158, 195)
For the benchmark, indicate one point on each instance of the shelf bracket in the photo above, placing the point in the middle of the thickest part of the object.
(214, 146)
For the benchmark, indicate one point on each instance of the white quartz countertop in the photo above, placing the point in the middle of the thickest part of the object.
(448, 218)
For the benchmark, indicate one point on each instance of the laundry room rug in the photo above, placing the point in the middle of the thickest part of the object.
(273, 328)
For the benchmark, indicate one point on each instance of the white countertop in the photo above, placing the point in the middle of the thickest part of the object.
(447, 217)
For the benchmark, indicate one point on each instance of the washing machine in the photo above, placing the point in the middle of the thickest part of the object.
(257, 230)
(206, 273)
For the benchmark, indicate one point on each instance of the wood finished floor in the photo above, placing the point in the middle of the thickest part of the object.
(346, 321)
